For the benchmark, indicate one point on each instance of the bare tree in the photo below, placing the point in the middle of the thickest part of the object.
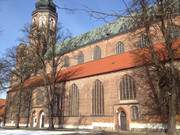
(162, 16)
(17, 69)
(157, 20)
(43, 43)
(3, 78)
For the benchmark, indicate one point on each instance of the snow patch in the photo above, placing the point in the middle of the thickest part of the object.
(27, 132)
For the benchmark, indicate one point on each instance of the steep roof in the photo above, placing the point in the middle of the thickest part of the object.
(2, 106)
(120, 26)
(105, 65)
(115, 63)
(2, 102)
(45, 4)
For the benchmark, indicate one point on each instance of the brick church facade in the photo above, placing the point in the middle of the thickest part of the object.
(109, 89)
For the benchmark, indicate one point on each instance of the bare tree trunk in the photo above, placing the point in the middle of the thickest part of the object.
(172, 114)
(51, 118)
(62, 105)
(19, 104)
(155, 94)
(47, 84)
(172, 100)
(5, 113)
(29, 107)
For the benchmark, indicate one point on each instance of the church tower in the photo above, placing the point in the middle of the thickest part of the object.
(45, 14)
(44, 18)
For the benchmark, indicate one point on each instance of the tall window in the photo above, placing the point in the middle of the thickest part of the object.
(80, 58)
(98, 98)
(74, 101)
(144, 41)
(127, 88)
(119, 48)
(66, 61)
(134, 113)
(97, 53)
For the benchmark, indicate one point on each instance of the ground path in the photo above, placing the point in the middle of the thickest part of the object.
(45, 132)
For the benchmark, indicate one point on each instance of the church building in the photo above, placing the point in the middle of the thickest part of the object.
(110, 88)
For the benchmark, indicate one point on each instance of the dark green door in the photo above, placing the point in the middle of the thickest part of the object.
(42, 124)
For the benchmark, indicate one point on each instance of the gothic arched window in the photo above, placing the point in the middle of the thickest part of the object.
(119, 48)
(134, 113)
(74, 101)
(80, 58)
(144, 41)
(98, 98)
(66, 61)
(97, 53)
(127, 88)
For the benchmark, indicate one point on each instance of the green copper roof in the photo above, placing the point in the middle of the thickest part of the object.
(122, 25)
(45, 4)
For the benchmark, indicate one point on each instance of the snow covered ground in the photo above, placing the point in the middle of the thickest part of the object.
(28, 132)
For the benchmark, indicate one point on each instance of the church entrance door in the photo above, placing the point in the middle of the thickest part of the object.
(42, 117)
(123, 121)
(34, 120)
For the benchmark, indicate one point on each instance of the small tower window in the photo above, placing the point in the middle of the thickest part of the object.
(52, 23)
(34, 20)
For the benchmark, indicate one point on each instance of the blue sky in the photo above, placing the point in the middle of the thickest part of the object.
(15, 14)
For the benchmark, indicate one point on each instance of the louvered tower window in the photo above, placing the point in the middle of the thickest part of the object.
(74, 101)
(98, 98)
(127, 88)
